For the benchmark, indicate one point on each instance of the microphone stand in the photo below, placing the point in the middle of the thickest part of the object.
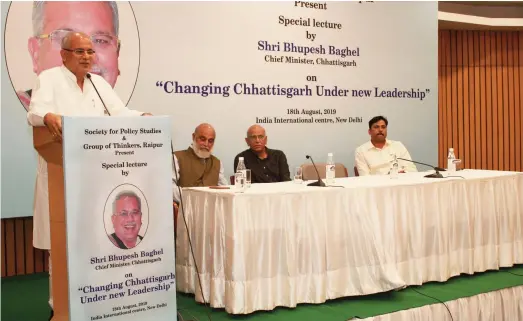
(182, 209)
(92, 83)
(318, 183)
(437, 174)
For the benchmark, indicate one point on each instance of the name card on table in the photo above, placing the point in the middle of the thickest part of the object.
(119, 218)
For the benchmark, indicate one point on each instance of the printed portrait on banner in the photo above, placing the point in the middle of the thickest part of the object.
(126, 216)
(34, 32)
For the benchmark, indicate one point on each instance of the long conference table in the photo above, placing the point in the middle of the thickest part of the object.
(285, 243)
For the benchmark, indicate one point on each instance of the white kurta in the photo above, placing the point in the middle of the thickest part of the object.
(56, 91)
(375, 161)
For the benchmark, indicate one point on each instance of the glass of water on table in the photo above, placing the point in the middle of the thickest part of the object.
(247, 178)
(298, 175)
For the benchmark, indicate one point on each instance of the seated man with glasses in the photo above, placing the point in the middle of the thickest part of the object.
(266, 165)
(127, 220)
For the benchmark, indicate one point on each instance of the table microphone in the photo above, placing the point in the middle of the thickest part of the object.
(319, 182)
(437, 169)
(89, 77)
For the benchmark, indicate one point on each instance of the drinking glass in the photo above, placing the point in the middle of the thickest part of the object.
(248, 178)
(298, 175)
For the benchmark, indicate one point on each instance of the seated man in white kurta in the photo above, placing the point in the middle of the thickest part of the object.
(375, 157)
(66, 91)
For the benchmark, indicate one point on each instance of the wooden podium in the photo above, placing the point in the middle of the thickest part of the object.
(51, 151)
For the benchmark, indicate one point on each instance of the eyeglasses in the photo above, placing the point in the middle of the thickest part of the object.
(259, 137)
(81, 52)
(125, 214)
(101, 41)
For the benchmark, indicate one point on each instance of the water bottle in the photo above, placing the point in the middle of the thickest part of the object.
(395, 167)
(451, 166)
(330, 170)
(239, 178)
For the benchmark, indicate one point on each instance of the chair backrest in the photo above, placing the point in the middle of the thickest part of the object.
(356, 171)
(309, 173)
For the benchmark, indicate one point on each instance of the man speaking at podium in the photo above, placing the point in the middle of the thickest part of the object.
(67, 90)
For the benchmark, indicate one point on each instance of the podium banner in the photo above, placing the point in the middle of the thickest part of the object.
(119, 218)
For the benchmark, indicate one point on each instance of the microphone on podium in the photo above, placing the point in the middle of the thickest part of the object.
(89, 77)
(319, 182)
(437, 169)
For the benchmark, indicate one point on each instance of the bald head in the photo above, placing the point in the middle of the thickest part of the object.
(203, 140)
(204, 128)
(256, 139)
(255, 129)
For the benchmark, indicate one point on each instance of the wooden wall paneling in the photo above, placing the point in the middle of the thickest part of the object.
(465, 153)
(10, 251)
(501, 123)
(474, 119)
(19, 246)
(39, 260)
(459, 126)
(483, 108)
(454, 85)
(440, 95)
(29, 250)
(505, 102)
(480, 102)
(448, 106)
(3, 249)
(479, 112)
(518, 114)
(46, 260)
(487, 127)
(520, 68)
(442, 137)
(494, 93)
(510, 97)
(18, 255)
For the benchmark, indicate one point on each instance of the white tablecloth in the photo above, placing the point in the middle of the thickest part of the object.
(283, 244)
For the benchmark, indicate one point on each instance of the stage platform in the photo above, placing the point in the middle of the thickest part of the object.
(25, 298)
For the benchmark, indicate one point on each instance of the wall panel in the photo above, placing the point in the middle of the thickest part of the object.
(480, 105)
(18, 254)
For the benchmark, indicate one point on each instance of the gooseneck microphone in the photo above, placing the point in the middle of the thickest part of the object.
(89, 77)
(437, 169)
(319, 182)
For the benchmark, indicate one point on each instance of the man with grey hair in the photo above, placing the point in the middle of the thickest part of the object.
(127, 220)
(196, 165)
(66, 90)
(267, 165)
(53, 20)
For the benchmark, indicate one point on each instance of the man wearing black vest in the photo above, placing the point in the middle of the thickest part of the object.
(266, 165)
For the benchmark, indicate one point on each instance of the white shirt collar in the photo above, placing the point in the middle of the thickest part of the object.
(369, 145)
(69, 74)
